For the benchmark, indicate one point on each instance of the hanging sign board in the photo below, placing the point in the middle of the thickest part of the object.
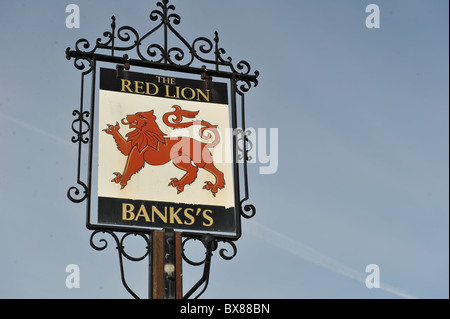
(165, 153)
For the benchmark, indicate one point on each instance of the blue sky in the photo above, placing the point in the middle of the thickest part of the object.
(362, 116)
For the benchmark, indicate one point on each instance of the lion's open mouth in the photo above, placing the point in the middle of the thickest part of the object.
(131, 124)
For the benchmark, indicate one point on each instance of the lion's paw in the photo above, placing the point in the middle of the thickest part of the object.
(112, 129)
(119, 180)
(176, 183)
(211, 187)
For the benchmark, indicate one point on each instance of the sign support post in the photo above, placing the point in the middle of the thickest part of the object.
(166, 265)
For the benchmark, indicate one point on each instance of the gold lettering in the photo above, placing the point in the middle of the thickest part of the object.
(127, 211)
(142, 213)
(207, 217)
(126, 85)
(168, 93)
(205, 96)
(148, 88)
(189, 216)
(165, 80)
(177, 89)
(184, 95)
(170, 215)
(139, 87)
(174, 216)
(160, 215)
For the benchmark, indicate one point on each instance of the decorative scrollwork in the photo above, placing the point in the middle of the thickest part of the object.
(139, 258)
(76, 195)
(82, 63)
(223, 251)
(121, 251)
(187, 259)
(210, 243)
(164, 15)
(103, 240)
(201, 49)
(85, 44)
(80, 127)
(247, 208)
(120, 243)
(245, 142)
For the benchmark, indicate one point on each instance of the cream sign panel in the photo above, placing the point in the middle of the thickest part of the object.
(165, 153)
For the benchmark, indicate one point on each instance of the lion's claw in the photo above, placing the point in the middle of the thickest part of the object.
(111, 128)
(211, 187)
(176, 183)
(119, 179)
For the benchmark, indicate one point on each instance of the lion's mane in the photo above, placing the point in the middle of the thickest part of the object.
(149, 134)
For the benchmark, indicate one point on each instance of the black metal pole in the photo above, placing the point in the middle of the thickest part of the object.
(150, 268)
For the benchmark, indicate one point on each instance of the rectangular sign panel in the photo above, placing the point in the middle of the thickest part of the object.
(165, 153)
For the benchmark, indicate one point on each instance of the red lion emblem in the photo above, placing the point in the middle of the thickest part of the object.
(148, 144)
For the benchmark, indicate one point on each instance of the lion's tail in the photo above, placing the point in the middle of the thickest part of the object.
(204, 134)
(207, 136)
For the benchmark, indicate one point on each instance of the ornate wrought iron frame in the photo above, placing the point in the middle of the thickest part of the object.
(168, 58)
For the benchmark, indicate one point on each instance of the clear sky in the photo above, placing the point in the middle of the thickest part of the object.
(363, 168)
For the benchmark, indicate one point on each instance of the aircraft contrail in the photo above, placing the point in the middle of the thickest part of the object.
(311, 255)
(35, 129)
(263, 232)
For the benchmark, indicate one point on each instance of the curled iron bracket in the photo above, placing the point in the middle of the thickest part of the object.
(211, 244)
(120, 246)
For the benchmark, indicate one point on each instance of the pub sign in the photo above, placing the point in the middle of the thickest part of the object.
(165, 153)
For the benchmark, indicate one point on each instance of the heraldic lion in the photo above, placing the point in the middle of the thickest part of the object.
(148, 144)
